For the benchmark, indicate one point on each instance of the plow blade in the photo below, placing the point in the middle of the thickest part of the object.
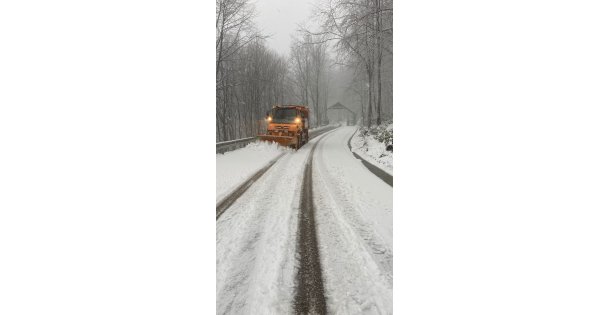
(282, 140)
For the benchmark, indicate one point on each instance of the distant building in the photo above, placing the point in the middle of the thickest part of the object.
(339, 113)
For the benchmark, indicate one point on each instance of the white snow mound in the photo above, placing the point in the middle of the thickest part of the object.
(234, 167)
(373, 151)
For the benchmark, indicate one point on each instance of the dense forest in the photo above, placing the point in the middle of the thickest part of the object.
(346, 55)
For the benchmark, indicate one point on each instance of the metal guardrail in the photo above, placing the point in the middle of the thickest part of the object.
(225, 146)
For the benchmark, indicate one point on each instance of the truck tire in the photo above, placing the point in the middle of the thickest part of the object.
(299, 142)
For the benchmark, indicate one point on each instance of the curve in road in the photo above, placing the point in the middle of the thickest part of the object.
(354, 223)
(384, 176)
(262, 265)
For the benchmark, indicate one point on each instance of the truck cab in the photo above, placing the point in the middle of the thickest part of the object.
(287, 125)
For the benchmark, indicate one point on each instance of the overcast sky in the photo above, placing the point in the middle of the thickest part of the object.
(279, 19)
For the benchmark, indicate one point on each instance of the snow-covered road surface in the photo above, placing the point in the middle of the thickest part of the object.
(234, 167)
(354, 212)
(256, 242)
(256, 238)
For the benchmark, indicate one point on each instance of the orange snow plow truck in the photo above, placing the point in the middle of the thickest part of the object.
(287, 125)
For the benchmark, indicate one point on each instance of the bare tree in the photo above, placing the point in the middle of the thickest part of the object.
(379, 59)
(310, 63)
(300, 62)
(234, 28)
(256, 78)
(360, 35)
(319, 68)
(251, 78)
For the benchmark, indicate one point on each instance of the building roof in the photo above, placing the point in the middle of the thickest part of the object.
(339, 105)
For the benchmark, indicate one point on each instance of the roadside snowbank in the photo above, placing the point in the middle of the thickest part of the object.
(234, 167)
(372, 150)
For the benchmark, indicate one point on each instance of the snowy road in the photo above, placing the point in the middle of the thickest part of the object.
(354, 223)
(257, 237)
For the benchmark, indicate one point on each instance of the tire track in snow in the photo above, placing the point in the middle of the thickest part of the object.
(230, 199)
(355, 247)
(310, 296)
(256, 242)
(225, 203)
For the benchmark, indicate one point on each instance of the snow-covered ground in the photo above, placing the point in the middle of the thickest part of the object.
(373, 151)
(256, 242)
(234, 167)
(354, 210)
(256, 238)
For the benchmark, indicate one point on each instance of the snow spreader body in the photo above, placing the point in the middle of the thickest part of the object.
(287, 125)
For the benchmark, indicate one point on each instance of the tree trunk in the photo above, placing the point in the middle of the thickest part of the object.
(217, 129)
(369, 97)
(362, 101)
(379, 104)
(378, 47)
(317, 101)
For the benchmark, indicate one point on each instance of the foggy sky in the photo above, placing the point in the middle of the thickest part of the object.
(279, 19)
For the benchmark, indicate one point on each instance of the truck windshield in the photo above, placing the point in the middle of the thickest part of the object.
(283, 115)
